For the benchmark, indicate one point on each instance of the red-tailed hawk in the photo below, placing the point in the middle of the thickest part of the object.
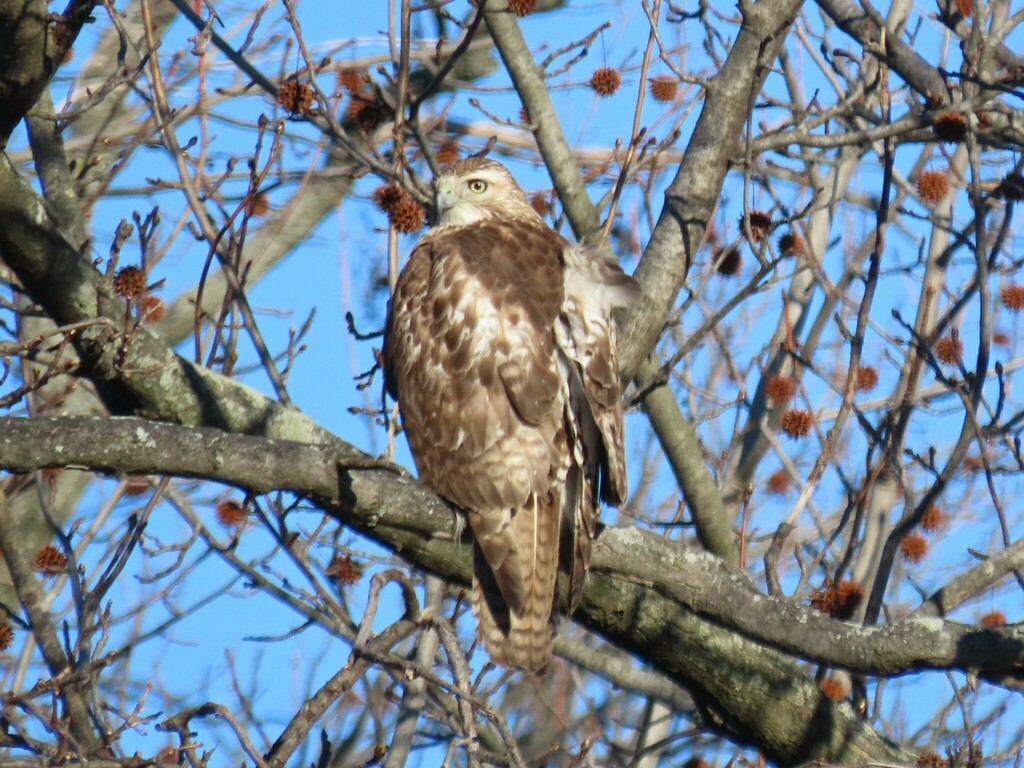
(500, 349)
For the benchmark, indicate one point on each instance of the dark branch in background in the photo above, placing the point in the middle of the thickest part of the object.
(431, 87)
(30, 52)
(864, 24)
(79, 720)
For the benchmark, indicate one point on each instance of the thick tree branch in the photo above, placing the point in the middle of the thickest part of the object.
(864, 25)
(30, 52)
(692, 197)
(383, 504)
(26, 60)
(690, 201)
(131, 368)
(700, 655)
(678, 439)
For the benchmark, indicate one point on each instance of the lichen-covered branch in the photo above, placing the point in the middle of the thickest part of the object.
(673, 608)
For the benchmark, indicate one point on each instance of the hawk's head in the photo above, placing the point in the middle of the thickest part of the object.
(476, 189)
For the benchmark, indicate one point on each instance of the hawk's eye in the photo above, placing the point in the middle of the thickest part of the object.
(477, 185)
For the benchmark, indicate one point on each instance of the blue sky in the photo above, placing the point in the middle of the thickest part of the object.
(333, 272)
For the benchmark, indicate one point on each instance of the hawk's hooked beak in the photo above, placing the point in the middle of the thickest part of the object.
(444, 195)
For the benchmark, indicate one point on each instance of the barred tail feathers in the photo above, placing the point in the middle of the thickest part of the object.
(515, 567)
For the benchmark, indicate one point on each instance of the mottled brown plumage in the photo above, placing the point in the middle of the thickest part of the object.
(500, 349)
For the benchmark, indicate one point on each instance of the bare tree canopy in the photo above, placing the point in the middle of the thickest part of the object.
(212, 551)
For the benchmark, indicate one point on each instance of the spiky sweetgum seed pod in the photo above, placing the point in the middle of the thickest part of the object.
(796, 423)
(928, 758)
(522, 7)
(257, 205)
(839, 600)
(6, 637)
(760, 223)
(994, 618)
(729, 262)
(1001, 338)
(914, 547)
(388, 196)
(345, 569)
(129, 282)
(1012, 297)
(779, 481)
(605, 81)
(949, 350)
(366, 111)
(447, 152)
(664, 88)
(296, 98)
(834, 689)
(932, 186)
(230, 513)
(539, 202)
(780, 389)
(408, 216)
(867, 378)
(950, 127)
(152, 309)
(792, 244)
(932, 519)
(50, 561)
(848, 597)
(824, 600)
(352, 80)
(973, 464)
